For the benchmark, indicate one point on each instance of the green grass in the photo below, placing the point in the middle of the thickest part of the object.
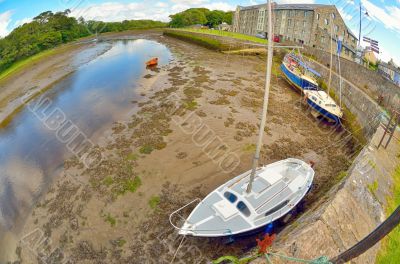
(341, 176)
(227, 34)
(390, 253)
(132, 156)
(209, 43)
(154, 202)
(131, 185)
(108, 181)
(249, 148)
(111, 220)
(373, 187)
(146, 149)
(191, 105)
(26, 62)
(22, 64)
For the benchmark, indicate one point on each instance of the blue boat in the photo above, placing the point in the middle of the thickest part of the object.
(322, 105)
(298, 74)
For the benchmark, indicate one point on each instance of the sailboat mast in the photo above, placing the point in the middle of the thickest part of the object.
(266, 96)
(331, 62)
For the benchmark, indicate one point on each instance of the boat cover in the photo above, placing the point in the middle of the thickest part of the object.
(305, 66)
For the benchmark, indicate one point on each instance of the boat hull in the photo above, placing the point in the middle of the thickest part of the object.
(269, 201)
(331, 117)
(296, 81)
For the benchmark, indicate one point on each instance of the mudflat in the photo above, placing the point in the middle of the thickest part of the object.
(193, 113)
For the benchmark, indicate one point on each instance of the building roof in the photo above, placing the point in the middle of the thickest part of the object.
(299, 6)
(351, 33)
(389, 66)
(286, 6)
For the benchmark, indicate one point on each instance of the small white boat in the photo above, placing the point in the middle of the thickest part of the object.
(324, 106)
(230, 210)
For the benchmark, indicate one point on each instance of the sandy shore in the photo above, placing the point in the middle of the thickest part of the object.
(200, 108)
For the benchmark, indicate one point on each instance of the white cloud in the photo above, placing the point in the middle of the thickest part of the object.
(346, 16)
(5, 20)
(163, 4)
(115, 11)
(190, 2)
(389, 16)
(295, 1)
(220, 6)
(22, 21)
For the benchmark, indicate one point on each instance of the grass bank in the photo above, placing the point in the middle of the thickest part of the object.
(226, 34)
(390, 249)
(25, 63)
(201, 40)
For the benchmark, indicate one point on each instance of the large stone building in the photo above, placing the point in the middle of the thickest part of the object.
(308, 24)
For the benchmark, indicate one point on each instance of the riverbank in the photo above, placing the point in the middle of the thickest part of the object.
(155, 161)
(28, 79)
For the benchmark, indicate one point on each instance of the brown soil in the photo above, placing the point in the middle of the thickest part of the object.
(155, 163)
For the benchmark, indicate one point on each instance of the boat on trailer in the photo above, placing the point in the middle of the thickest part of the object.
(298, 74)
(255, 198)
(230, 210)
(323, 106)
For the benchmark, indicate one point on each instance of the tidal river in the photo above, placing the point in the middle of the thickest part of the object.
(92, 98)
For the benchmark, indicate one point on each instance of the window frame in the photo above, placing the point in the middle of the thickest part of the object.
(230, 196)
(243, 209)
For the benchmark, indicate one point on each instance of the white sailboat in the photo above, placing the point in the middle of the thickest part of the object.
(323, 105)
(256, 197)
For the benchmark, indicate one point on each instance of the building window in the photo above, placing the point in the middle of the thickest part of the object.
(336, 28)
(289, 22)
(326, 21)
(305, 13)
(323, 39)
(317, 16)
(304, 24)
(333, 16)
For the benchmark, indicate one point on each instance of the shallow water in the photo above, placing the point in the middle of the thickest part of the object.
(93, 97)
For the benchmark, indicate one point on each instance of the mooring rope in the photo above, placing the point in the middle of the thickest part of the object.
(320, 260)
(177, 250)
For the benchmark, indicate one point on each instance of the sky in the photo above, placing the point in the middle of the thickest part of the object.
(382, 22)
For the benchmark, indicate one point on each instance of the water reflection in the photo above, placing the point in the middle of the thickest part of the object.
(92, 98)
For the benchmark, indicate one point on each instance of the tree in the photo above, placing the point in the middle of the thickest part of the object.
(47, 30)
(202, 16)
(215, 18)
(228, 18)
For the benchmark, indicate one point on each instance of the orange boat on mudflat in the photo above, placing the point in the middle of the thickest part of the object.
(152, 62)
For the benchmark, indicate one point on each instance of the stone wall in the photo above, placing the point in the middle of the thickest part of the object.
(350, 212)
(371, 82)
